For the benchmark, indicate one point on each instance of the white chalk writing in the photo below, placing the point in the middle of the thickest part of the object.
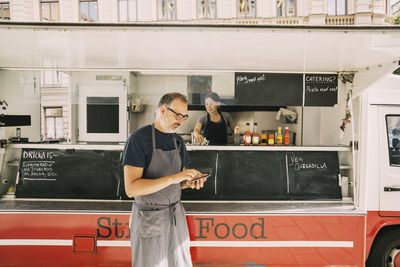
(314, 89)
(246, 80)
(321, 79)
(39, 169)
(299, 163)
(38, 155)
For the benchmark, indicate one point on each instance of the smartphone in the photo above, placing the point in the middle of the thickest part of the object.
(204, 177)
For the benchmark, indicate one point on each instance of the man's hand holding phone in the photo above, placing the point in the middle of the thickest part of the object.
(197, 182)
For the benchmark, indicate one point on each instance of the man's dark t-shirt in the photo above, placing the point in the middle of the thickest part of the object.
(138, 149)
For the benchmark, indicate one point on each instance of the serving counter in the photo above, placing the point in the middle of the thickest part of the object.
(268, 148)
(189, 147)
(11, 205)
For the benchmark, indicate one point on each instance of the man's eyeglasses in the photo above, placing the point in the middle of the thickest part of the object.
(178, 115)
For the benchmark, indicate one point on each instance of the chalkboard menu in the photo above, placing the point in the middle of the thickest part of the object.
(267, 175)
(313, 175)
(78, 174)
(268, 89)
(321, 90)
(235, 175)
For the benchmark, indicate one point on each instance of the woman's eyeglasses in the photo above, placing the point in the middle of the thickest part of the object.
(178, 115)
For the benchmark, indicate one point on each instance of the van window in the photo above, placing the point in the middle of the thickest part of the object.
(393, 134)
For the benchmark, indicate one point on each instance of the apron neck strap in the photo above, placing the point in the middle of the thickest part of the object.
(175, 145)
(153, 137)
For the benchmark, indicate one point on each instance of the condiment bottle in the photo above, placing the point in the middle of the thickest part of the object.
(18, 133)
(271, 138)
(263, 138)
(279, 137)
(286, 137)
(247, 135)
(236, 136)
(255, 138)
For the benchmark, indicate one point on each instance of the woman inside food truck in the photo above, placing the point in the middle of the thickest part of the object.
(213, 125)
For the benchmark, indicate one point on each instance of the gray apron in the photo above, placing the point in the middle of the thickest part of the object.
(159, 232)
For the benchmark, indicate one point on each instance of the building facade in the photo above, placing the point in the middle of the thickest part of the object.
(268, 12)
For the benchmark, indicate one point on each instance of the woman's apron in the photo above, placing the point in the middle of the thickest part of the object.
(216, 132)
(159, 232)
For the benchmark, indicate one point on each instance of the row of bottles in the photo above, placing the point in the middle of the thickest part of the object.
(255, 139)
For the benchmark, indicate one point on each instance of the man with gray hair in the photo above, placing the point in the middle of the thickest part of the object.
(154, 163)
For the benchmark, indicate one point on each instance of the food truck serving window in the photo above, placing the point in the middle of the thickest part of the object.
(393, 133)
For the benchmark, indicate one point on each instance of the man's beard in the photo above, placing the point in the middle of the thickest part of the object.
(168, 129)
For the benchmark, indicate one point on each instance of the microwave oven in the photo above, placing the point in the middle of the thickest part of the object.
(102, 114)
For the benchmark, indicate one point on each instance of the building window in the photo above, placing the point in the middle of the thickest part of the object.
(167, 9)
(88, 11)
(394, 9)
(393, 134)
(54, 78)
(127, 10)
(286, 8)
(4, 10)
(337, 7)
(206, 9)
(246, 8)
(49, 10)
(54, 123)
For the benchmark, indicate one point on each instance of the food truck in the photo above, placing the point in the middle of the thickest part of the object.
(72, 93)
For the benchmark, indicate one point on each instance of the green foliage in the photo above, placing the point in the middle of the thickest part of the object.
(397, 20)
(397, 71)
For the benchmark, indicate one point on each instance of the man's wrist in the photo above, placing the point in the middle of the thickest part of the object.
(184, 184)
